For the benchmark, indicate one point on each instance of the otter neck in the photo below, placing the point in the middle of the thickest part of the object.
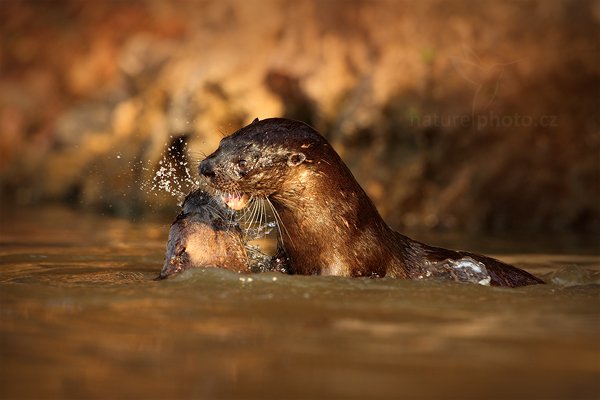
(325, 212)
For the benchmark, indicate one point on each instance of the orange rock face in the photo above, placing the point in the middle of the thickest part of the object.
(452, 115)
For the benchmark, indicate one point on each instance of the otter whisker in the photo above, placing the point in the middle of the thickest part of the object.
(253, 212)
(196, 155)
(263, 216)
(254, 224)
(280, 225)
(257, 219)
(248, 216)
(257, 215)
(247, 212)
(248, 209)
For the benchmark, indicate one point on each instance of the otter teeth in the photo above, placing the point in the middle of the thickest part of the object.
(236, 201)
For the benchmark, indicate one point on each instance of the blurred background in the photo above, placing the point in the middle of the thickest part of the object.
(452, 115)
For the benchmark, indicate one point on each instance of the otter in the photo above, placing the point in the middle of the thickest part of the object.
(205, 234)
(327, 223)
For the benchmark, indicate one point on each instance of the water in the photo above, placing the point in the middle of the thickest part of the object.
(81, 317)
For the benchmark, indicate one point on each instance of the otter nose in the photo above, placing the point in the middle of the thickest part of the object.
(206, 168)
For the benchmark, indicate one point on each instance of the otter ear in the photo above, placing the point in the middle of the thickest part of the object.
(295, 159)
(255, 120)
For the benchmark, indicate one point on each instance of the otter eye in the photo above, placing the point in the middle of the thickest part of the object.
(296, 159)
(242, 166)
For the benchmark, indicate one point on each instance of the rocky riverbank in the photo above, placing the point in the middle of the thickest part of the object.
(452, 115)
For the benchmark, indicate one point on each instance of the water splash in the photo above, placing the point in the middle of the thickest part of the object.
(173, 175)
(465, 269)
(258, 231)
(259, 261)
(167, 179)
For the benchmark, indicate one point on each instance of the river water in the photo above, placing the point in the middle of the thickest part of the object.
(82, 317)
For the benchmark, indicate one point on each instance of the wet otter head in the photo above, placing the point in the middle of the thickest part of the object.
(204, 234)
(265, 159)
(309, 187)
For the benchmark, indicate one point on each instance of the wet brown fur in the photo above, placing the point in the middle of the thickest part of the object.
(328, 224)
(204, 234)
